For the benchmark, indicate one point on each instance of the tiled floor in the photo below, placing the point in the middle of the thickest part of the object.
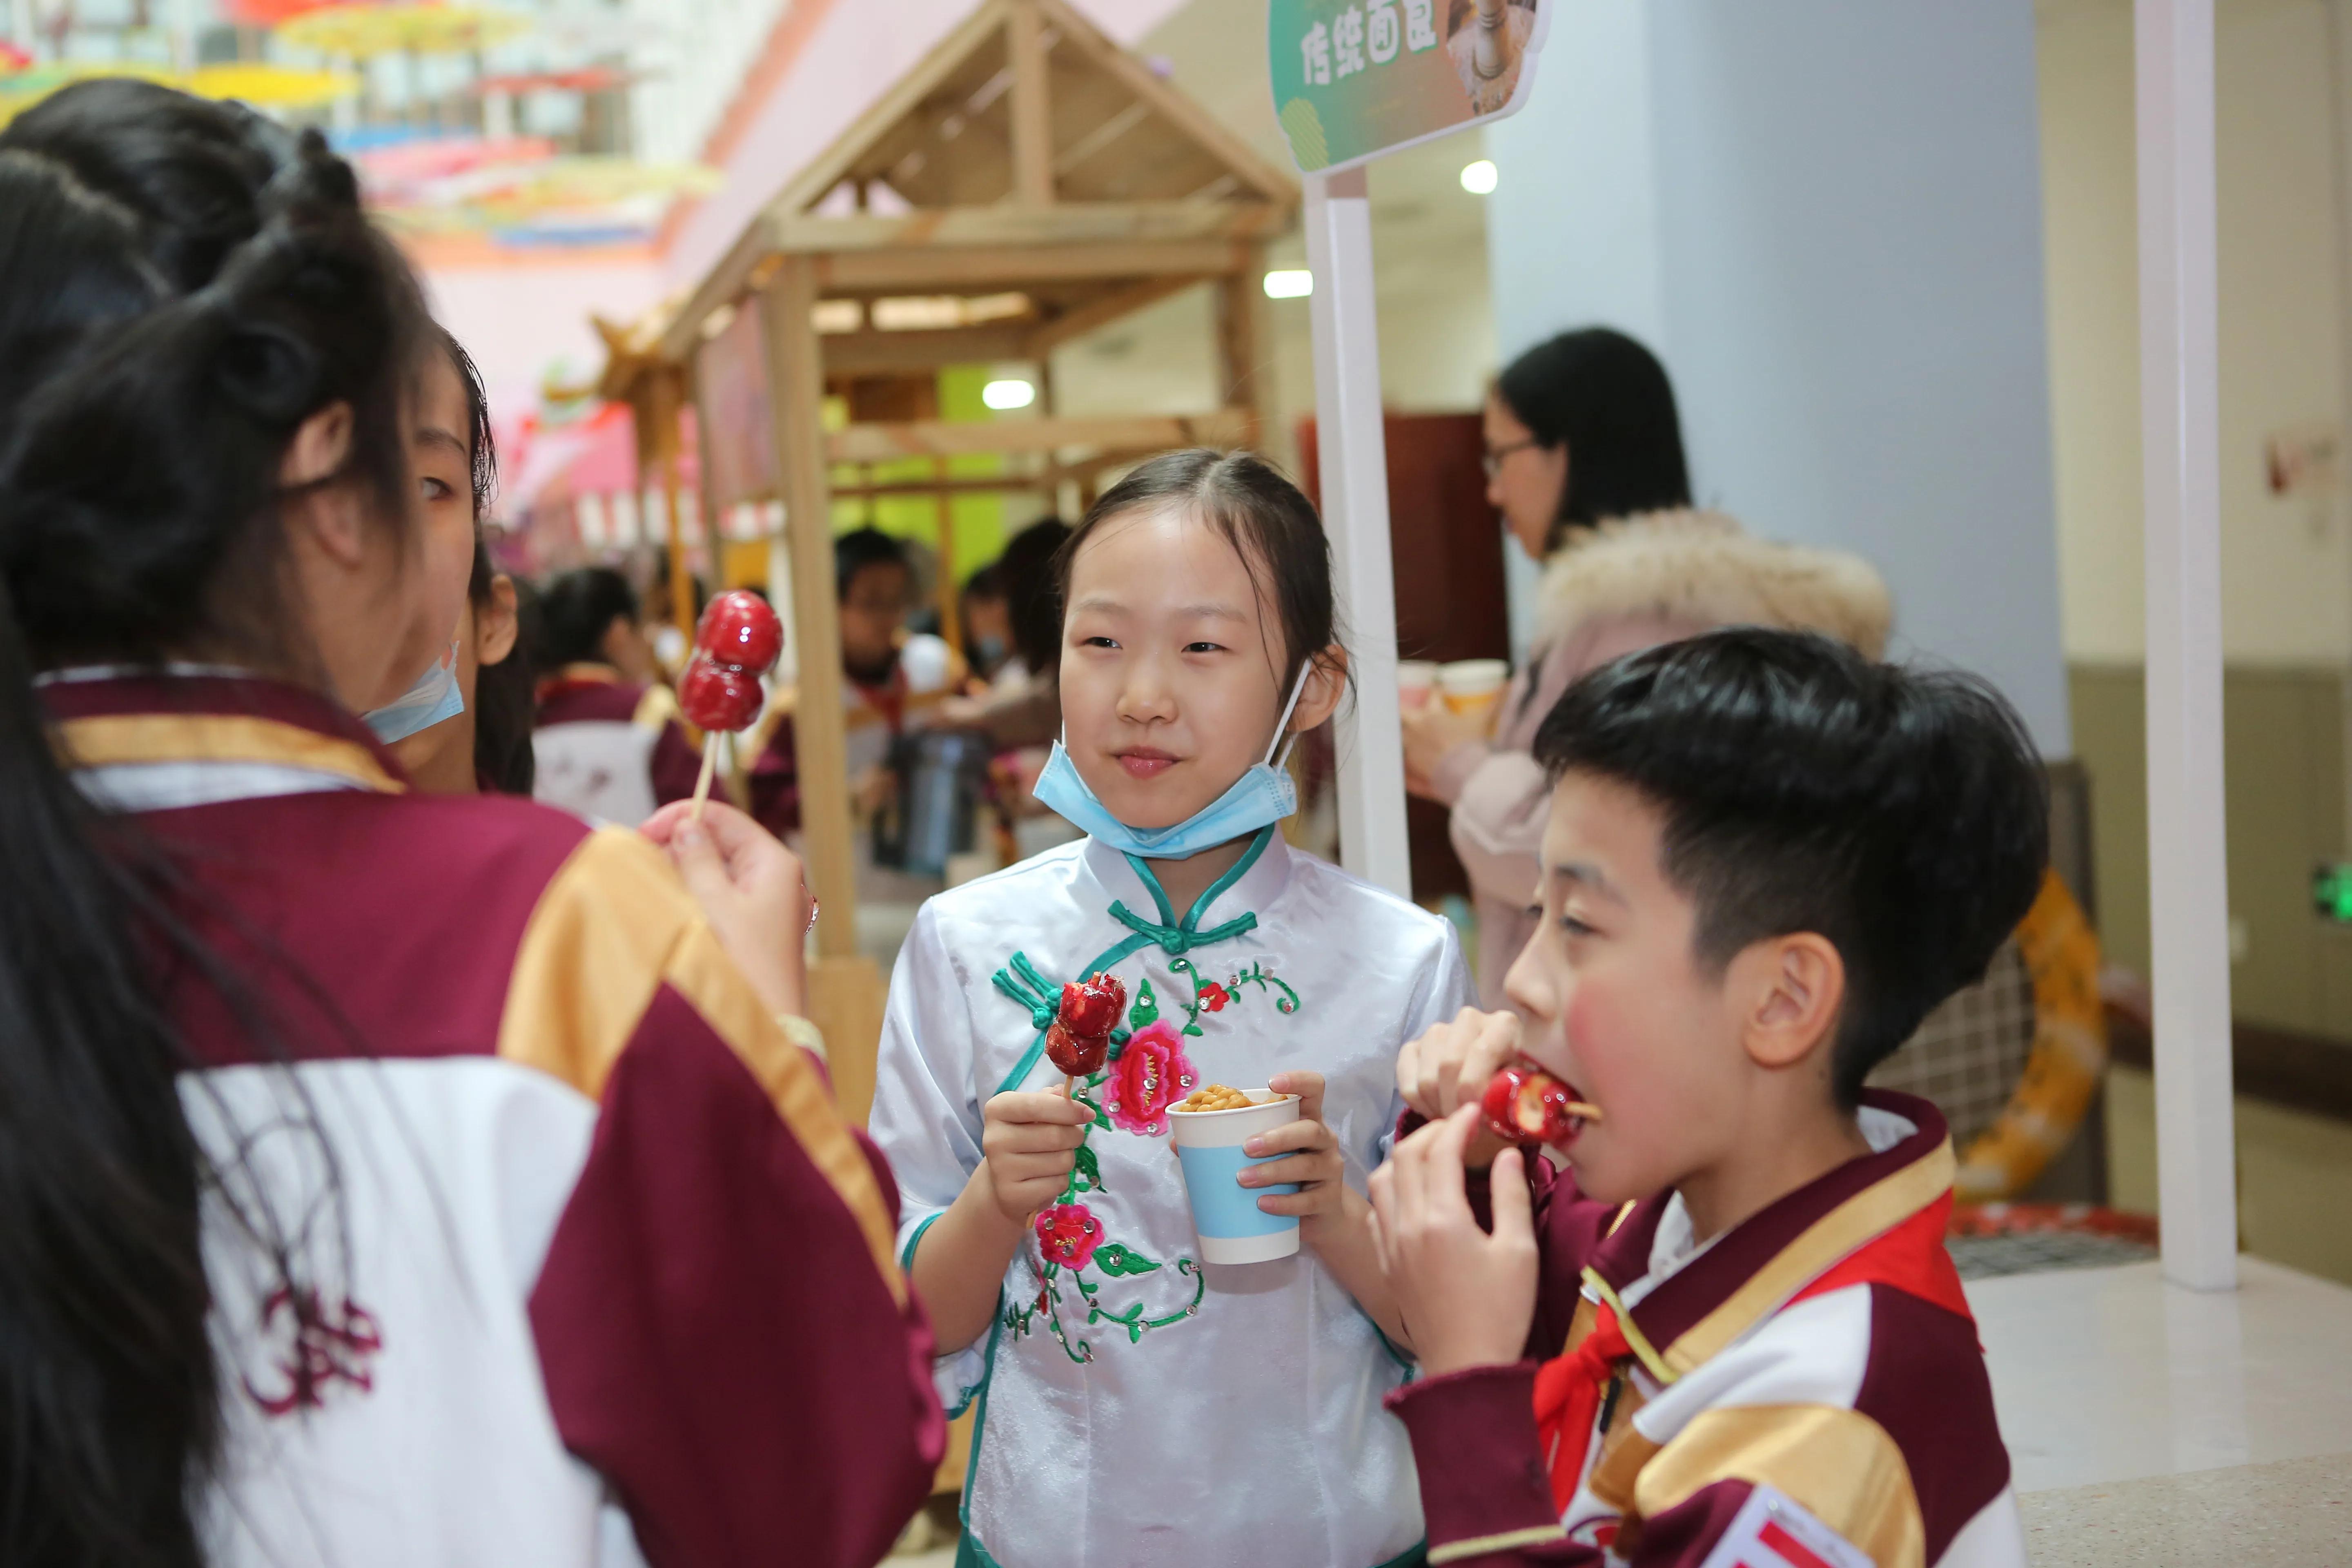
(2110, 1374)
(2286, 1514)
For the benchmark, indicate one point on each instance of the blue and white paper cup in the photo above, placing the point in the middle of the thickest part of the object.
(1225, 1216)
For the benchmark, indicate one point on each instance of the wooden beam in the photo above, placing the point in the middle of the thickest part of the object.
(1033, 114)
(796, 396)
(1016, 267)
(722, 285)
(1094, 314)
(895, 354)
(1171, 104)
(940, 438)
(830, 166)
(1064, 223)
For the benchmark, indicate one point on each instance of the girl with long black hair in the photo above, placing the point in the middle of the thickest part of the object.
(384, 1179)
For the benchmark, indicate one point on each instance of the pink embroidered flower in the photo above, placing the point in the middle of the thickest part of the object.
(1150, 1075)
(1214, 996)
(1067, 1234)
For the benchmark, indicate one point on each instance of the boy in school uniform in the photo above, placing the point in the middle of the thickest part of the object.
(1723, 1328)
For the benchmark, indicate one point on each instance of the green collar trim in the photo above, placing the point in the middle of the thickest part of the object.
(1021, 981)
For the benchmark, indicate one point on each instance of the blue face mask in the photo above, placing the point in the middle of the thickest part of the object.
(1262, 795)
(432, 697)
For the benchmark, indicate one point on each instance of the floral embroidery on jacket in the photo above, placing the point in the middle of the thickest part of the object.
(1147, 1072)
(1151, 1074)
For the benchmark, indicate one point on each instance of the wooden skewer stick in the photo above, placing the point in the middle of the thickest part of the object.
(1589, 1112)
(709, 767)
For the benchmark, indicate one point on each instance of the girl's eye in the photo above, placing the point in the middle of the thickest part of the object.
(1097, 642)
(1573, 926)
(1204, 647)
(436, 490)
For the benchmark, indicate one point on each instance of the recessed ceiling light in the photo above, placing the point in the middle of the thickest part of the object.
(1002, 395)
(1289, 284)
(1479, 178)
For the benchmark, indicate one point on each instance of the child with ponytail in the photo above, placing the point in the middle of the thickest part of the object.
(462, 1196)
(1139, 1404)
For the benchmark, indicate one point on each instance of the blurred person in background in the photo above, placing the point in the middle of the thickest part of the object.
(391, 1178)
(487, 744)
(609, 744)
(1585, 463)
(988, 628)
(894, 681)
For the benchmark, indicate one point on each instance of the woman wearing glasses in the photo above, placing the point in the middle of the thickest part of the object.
(1584, 460)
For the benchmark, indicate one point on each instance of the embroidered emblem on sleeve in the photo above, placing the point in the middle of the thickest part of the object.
(1773, 1530)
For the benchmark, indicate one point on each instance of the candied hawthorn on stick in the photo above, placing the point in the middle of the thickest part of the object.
(1524, 1104)
(740, 628)
(1079, 1040)
(717, 697)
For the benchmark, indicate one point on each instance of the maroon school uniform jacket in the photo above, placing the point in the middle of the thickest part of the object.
(587, 1263)
(1806, 1389)
(609, 750)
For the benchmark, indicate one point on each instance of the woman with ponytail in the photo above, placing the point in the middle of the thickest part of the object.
(383, 1178)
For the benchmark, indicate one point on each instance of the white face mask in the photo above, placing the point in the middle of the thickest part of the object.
(431, 698)
(1263, 794)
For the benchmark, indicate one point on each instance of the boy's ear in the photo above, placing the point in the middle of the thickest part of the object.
(1795, 988)
(1327, 682)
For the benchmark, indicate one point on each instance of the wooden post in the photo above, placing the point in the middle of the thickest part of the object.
(1033, 111)
(659, 407)
(796, 396)
(2188, 892)
(943, 592)
(1240, 299)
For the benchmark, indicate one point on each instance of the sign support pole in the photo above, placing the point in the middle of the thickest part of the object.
(1352, 454)
(2188, 889)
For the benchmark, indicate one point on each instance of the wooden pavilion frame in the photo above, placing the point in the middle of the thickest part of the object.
(1028, 183)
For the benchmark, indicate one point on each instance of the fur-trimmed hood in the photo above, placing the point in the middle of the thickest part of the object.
(1700, 567)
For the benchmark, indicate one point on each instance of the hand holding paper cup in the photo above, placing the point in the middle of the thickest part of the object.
(1225, 1216)
(1473, 685)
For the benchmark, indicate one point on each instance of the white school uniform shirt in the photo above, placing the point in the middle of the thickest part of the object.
(1139, 1408)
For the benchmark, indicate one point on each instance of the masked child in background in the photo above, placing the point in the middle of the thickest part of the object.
(1767, 859)
(1136, 1408)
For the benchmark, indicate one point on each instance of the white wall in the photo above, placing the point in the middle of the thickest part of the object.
(2286, 573)
(1825, 214)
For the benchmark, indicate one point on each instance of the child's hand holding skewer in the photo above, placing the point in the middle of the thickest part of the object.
(1467, 1297)
(1029, 1143)
(1450, 1064)
(750, 889)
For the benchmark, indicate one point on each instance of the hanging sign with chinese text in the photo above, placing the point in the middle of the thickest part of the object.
(1354, 79)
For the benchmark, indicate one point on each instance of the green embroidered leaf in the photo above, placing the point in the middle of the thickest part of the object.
(1100, 1119)
(1146, 1011)
(1194, 1029)
(1113, 1258)
(1087, 1174)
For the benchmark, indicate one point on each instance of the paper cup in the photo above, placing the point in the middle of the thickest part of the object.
(1416, 680)
(1471, 684)
(1225, 1216)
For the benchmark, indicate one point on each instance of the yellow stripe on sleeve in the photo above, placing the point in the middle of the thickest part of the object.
(1840, 1464)
(613, 925)
(1478, 1546)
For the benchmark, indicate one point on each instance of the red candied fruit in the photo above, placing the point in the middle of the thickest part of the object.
(1524, 1104)
(717, 696)
(740, 628)
(1092, 1006)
